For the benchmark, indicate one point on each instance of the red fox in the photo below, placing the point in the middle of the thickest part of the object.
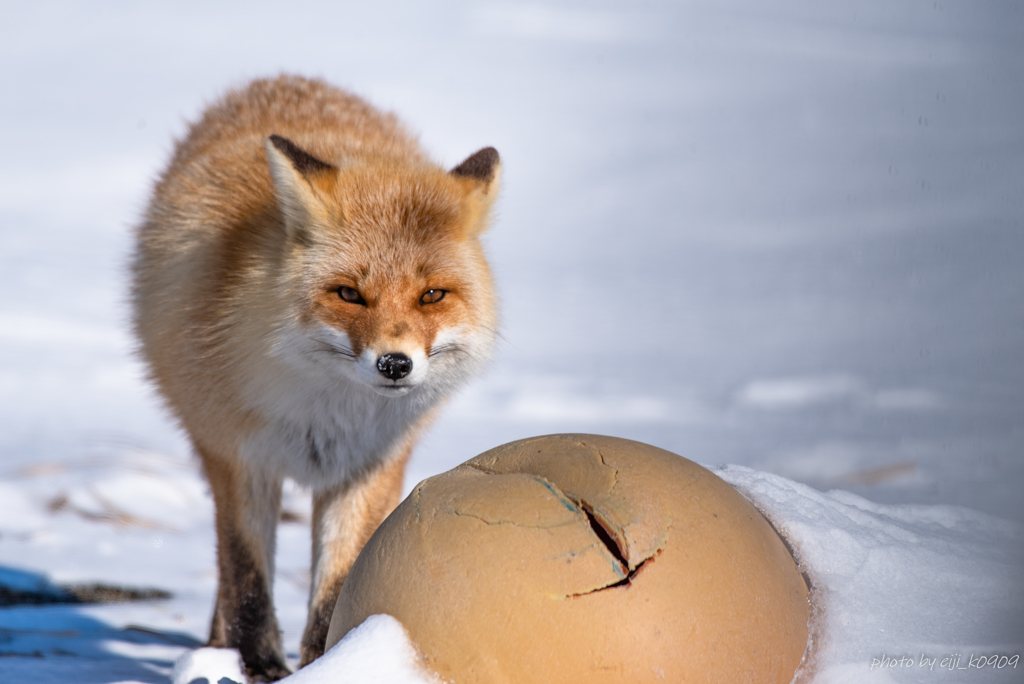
(308, 287)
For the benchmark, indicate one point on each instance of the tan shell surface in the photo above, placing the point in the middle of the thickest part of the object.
(581, 557)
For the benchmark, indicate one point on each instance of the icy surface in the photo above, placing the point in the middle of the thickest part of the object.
(783, 236)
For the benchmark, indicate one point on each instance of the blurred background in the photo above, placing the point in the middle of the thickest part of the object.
(785, 236)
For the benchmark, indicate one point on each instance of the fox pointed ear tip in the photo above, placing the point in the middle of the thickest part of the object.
(481, 165)
(302, 161)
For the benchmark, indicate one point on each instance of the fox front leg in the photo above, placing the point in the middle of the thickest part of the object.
(344, 518)
(247, 507)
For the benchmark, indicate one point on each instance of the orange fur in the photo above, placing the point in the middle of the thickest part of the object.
(308, 286)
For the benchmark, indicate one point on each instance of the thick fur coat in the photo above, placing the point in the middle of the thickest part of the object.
(308, 287)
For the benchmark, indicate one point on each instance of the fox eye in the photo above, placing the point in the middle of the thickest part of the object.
(433, 296)
(351, 295)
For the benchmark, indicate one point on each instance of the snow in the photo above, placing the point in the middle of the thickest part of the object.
(379, 650)
(911, 582)
(783, 237)
(889, 581)
(221, 665)
(874, 619)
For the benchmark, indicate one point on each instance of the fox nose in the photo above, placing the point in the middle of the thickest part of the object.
(394, 366)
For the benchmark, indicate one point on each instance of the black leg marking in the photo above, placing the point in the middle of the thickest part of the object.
(247, 613)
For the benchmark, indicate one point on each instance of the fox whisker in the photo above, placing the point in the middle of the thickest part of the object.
(337, 350)
(444, 348)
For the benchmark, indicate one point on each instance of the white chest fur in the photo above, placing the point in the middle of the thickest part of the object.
(322, 431)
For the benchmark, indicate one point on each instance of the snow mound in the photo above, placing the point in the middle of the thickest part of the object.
(900, 592)
(377, 651)
(209, 666)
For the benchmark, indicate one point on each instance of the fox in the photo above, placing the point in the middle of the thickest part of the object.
(308, 289)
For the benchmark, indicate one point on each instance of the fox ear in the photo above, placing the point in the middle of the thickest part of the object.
(298, 178)
(480, 176)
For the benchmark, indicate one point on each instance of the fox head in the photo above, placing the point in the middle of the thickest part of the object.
(382, 268)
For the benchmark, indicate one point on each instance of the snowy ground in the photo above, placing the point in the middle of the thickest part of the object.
(787, 238)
